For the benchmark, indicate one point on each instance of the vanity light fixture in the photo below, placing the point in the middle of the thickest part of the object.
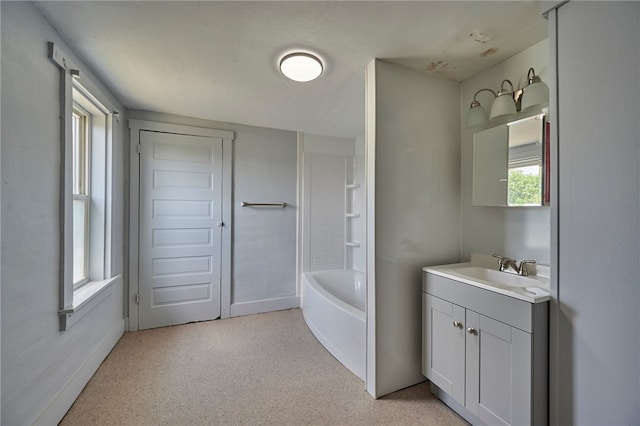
(301, 66)
(504, 106)
(507, 102)
(477, 115)
(536, 94)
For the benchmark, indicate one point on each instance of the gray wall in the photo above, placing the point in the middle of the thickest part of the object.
(415, 185)
(517, 232)
(595, 346)
(264, 239)
(43, 369)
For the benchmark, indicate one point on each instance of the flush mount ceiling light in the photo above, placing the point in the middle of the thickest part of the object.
(301, 66)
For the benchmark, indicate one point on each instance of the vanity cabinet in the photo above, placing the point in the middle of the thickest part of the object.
(486, 353)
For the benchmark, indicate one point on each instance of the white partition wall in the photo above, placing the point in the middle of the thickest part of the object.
(595, 320)
(413, 211)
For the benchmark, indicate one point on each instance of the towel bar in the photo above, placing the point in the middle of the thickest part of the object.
(246, 204)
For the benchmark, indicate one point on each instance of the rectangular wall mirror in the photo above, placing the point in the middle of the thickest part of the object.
(509, 167)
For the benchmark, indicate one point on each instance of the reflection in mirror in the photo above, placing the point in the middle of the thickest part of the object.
(524, 187)
(508, 166)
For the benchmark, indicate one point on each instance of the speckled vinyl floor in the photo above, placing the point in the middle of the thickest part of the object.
(265, 369)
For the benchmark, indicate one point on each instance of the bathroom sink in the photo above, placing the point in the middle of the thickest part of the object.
(529, 286)
(482, 272)
(500, 278)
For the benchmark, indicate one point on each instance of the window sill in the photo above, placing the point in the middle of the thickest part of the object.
(85, 299)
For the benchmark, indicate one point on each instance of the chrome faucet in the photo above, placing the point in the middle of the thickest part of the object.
(506, 264)
(522, 269)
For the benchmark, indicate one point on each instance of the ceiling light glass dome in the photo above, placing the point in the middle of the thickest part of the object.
(301, 66)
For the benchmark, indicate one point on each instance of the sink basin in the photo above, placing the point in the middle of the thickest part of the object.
(502, 279)
(480, 273)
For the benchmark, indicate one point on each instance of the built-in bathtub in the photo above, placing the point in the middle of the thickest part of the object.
(333, 305)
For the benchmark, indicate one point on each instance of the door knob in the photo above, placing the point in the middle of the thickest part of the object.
(472, 331)
(457, 324)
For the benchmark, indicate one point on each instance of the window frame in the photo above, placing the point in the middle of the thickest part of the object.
(77, 301)
(81, 191)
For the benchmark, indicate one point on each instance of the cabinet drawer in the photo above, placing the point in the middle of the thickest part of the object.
(515, 312)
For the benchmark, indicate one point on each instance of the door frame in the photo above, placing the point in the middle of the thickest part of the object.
(135, 127)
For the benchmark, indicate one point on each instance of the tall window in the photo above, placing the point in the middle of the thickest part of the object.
(85, 192)
(81, 193)
(90, 164)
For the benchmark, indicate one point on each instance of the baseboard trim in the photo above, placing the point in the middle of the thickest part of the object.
(67, 395)
(267, 305)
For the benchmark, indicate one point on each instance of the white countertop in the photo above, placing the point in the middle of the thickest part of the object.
(537, 294)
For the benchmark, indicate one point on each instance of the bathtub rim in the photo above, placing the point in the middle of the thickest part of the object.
(339, 303)
(351, 353)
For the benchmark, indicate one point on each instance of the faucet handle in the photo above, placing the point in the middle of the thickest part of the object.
(524, 271)
(501, 261)
(500, 258)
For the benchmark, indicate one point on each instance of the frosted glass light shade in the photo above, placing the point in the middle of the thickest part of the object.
(535, 95)
(476, 116)
(301, 66)
(503, 107)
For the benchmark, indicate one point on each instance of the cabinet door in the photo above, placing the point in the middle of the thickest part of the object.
(443, 345)
(498, 375)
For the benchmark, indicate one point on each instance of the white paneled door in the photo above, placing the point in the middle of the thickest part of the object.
(180, 234)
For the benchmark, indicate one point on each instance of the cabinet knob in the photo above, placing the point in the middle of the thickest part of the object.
(457, 324)
(472, 331)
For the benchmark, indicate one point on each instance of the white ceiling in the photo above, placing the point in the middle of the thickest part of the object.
(218, 60)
